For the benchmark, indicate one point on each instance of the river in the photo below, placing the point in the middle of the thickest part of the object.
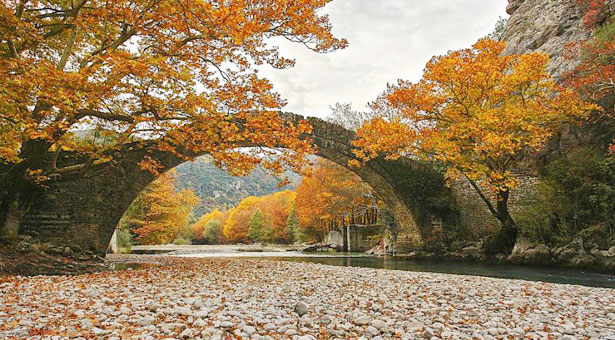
(545, 274)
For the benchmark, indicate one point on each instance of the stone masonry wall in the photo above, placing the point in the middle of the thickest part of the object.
(475, 216)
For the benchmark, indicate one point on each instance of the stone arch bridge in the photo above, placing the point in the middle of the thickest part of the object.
(86, 211)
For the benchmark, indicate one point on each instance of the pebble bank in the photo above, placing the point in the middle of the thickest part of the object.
(264, 299)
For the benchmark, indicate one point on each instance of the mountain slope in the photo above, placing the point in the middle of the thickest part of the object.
(217, 189)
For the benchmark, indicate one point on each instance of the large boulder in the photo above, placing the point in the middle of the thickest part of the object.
(605, 258)
(526, 252)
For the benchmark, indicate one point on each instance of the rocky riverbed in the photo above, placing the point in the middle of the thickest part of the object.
(263, 299)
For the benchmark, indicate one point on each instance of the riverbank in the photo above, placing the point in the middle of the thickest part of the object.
(213, 248)
(26, 256)
(239, 298)
(578, 254)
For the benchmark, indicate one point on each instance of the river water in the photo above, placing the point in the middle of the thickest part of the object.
(545, 274)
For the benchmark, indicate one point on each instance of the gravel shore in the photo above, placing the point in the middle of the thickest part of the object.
(263, 299)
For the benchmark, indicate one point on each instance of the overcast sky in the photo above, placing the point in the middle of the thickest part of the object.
(388, 40)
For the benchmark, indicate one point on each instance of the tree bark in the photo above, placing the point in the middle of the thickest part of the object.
(504, 240)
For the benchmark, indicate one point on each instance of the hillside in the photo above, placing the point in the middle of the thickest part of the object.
(218, 189)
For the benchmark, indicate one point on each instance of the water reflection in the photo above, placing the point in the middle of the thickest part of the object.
(545, 274)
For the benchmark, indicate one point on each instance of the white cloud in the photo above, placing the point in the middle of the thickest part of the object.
(388, 40)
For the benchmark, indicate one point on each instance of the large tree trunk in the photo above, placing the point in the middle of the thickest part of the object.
(504, 240)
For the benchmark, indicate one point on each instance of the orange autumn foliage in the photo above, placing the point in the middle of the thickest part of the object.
(179, 74)
(478, 113)
(275, 207)
(159, 212)
(596, 12)
(326, 193)
(594, 76)
(475, 110)
(236, 225)
(214, 215)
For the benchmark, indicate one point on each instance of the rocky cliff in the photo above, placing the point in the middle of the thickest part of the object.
(546, 26)
(549, 26)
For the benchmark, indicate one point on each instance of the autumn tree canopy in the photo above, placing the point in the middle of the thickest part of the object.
(479, 114)
(327, 193)
(209, 226)
(595, 74)
(159, 212)
(177, 75)
(270, 227)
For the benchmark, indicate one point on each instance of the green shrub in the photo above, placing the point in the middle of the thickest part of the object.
(540, 219)
(256, 226)
(185, 236)
(124, 239)
(576, 196)
(212, 233)
(179, 241)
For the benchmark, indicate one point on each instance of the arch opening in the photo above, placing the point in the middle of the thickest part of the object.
(375, 200)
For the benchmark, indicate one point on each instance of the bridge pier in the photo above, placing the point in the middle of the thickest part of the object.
(354, 238)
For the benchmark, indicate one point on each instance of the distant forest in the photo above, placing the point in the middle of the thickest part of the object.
(218, 189)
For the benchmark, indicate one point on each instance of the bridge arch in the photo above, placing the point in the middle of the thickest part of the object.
(85, 212)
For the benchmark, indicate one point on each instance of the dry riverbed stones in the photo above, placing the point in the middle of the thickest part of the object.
(263, 299)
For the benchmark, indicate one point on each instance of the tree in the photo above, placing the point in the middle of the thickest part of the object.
(186, 234)
(345, 116)
(213, 232)
(268, 235)
(177, 76)
(257, 226)
(328, 192)
(276, 208)
(292, 225)
(596, 12)
(200, 226)
(478, 113)
(159, 213)
(575, 199)
(236, 225)
(498, 30)
(594, 76)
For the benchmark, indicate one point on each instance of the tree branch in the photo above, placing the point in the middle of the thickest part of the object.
(68, 50)
(482, 196)
(104, 115)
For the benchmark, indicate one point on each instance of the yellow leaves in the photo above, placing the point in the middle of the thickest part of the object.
(275, 208)
(160, 212)
(151, 165)
(182, 70)
(389, 137)
(329, 191)
(475, 110)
